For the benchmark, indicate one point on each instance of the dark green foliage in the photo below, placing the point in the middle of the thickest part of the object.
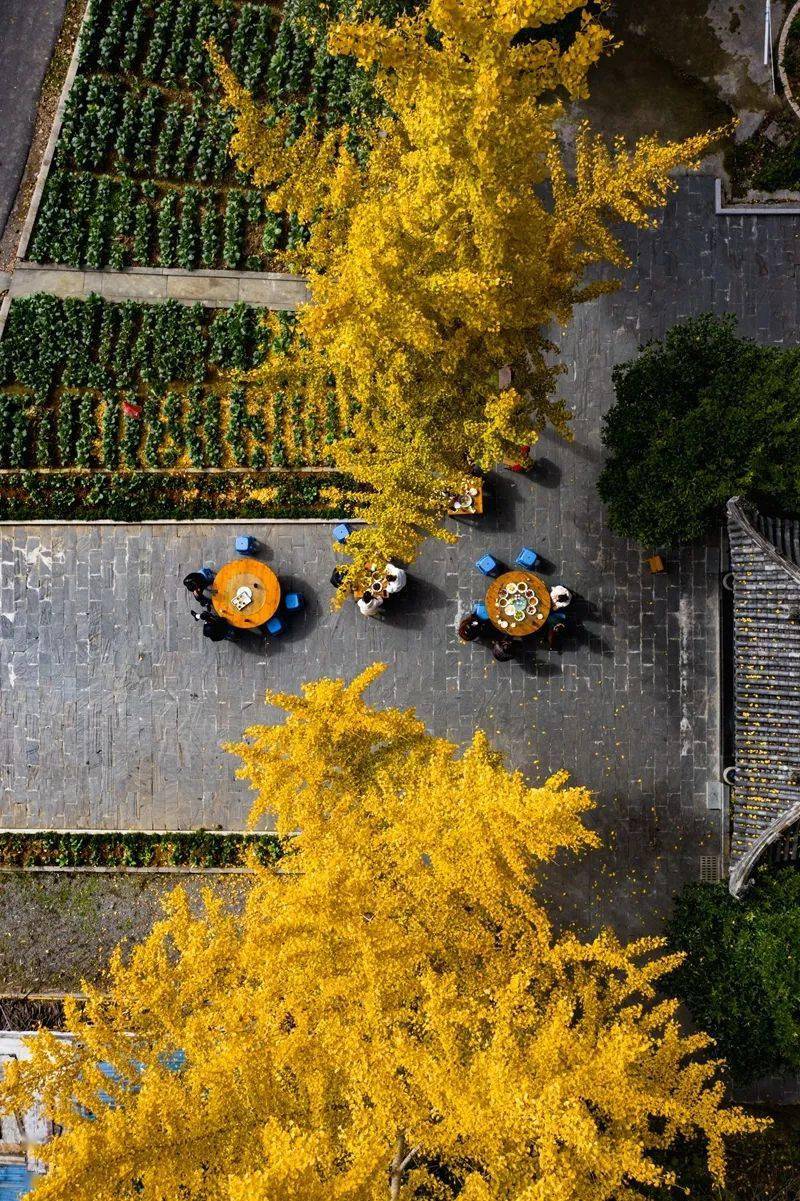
(69, 367)
(763, 164)
(212, 431)
(306, 81)
(192, 848)
(142, 233)
(238, 338)
(210, 238)
(89, 496)
(741, 978)
(700, 417)
(111, 413)
(760, 1167)
(118, 122)
(791, 53)
(233, 230)
(194, 427)
(237, 425)
(168, 229)
(189, 232)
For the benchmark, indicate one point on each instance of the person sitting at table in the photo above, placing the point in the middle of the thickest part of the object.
(198, 585)
(214, 627)
(556, 634)
(395, 578)
(502, 648)
(470, 628)
(558, 625)
(560, 596)
(369, 603)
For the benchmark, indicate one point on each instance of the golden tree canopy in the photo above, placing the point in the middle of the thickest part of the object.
(443, 258)
(392, 1010)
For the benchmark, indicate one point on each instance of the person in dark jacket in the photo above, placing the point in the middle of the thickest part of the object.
(503, 649)
(197, 584)
(471, 628)
(214, 627)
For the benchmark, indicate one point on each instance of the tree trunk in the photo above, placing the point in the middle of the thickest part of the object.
(396, 1173)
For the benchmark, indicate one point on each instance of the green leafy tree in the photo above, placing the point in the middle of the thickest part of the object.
(741, 975)
(700, 416)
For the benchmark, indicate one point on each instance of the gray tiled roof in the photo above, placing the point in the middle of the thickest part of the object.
(765, 559)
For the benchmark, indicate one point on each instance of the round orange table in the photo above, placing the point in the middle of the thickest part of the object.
(499, 598)
(262, 583)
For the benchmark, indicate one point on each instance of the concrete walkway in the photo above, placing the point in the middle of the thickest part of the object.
(212, 288)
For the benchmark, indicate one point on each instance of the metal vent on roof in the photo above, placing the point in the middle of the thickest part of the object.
(710, 869)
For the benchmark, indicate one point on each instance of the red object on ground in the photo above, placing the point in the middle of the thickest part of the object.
(525, 462)
(130, 409)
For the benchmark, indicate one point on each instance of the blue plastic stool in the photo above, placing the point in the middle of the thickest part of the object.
(245, 544)
(481, 611)
(208, 574)
(294, 601)
(527, 557)
(487, 564)
(274, 625)
(342, 532)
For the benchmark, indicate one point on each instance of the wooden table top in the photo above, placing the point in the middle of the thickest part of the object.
(369, 583)
(499, 588)
(262, 582)
(477, 501)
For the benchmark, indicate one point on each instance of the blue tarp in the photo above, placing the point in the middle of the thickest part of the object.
(15, 1181)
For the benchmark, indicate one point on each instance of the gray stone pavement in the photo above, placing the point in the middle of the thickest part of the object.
(28, 33)
(112, 707)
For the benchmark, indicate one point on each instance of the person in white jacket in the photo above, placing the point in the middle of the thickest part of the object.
(560, 596)
(395, 578)
(369, 603)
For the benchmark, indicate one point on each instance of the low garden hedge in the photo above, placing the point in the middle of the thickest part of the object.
(194, 848)
(177, 496)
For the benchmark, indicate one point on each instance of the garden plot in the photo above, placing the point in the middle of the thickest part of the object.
(109, 406)
(141, 174)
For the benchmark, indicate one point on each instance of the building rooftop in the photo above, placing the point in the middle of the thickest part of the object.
(765, 561)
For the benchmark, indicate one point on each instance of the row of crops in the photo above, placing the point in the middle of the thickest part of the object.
(121, 391)
(141, 174)
(100, 221)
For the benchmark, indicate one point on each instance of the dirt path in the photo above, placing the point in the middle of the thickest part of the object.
(57, 930)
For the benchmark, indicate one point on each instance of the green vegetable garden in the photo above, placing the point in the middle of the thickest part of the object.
(139, 409)
(133, 411)
(141, 174)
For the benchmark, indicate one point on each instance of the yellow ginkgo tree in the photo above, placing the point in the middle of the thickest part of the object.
(390, 1015)
(440, 257)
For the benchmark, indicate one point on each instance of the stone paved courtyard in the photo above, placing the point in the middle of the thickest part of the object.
(113, 708)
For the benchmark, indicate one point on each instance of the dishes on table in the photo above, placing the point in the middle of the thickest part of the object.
(518, 602)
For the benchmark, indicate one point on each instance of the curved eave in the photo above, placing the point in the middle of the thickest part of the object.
(770, 552)
(744, 867)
